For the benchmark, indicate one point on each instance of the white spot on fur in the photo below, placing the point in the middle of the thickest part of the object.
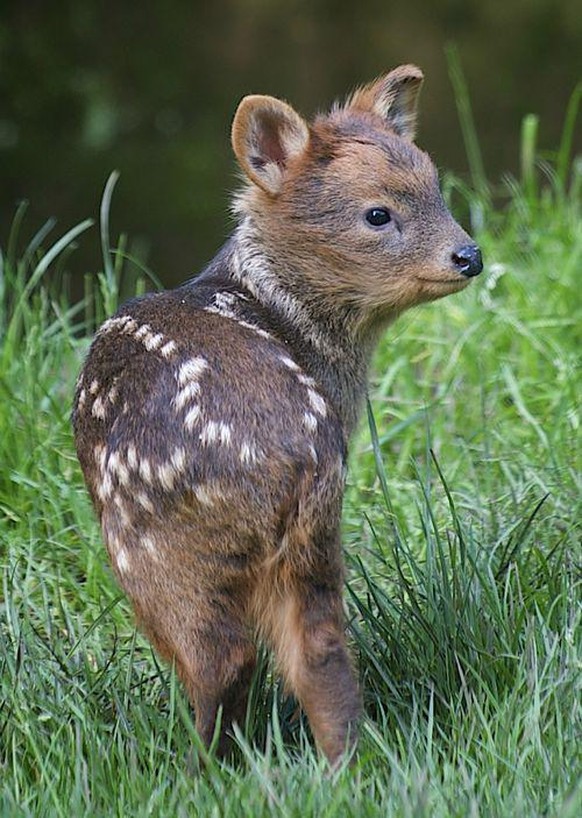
(123, 516)
(208, 494)
(122, 561)
(150, 545)
(167, 475)
(144, 501)
(130, 325)
(225, 301)
(124, 323)
(132, 459)
(222, 304)
(111, 541)
(222, 312)
(113, 461)
(210, 432)
(112, 394)
(169, 471)
(106, 487)
(310, 422)
(191, 417)
(152, 342)
(168, 349)
(110, 324)
(178, 459)
(289, 363)
(98, 410)
(145, 470)
(142, 332)
(94, 388)
(225, 434)
(313, 453)
(248, 453)
(306, 380)
(216, 432)
(82, 398)
(263, 333)
(107, 325)
(317, 402)
(122, 473)
(186, 394)
(100, 454)
(191, 370)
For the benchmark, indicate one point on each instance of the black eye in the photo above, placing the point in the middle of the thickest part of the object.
(378, 216)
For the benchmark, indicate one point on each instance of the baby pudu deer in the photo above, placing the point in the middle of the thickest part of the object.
(212, 420)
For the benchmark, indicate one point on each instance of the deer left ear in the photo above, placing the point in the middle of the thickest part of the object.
(394, 97)
(267, 134)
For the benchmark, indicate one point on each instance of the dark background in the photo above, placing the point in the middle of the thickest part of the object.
(150, 89)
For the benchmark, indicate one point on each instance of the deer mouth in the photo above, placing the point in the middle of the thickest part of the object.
(455, 282)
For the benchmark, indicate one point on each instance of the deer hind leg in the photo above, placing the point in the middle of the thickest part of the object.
(193, 609)
(215, 660)
(309, 642)
(217, 676)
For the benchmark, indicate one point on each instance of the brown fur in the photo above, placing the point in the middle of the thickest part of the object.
(211, 421)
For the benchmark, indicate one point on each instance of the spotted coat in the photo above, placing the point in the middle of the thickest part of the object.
(220, 416)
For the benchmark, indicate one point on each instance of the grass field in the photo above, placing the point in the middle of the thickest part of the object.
(462, 537)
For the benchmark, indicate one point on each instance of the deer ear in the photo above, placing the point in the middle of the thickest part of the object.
(266, 135)
(394, 97)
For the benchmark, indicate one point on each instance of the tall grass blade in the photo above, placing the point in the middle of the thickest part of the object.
(53, 253)
(109, 285)
(380, 471)
(529, 132)
(467, 122)
(14, 235)
(565, 149)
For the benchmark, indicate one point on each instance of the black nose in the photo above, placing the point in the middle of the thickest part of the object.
(468, 260)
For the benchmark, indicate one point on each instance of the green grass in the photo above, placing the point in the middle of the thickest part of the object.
(462, 537)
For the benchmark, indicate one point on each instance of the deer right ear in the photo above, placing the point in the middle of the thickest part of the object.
(266, 135)
(394, 97)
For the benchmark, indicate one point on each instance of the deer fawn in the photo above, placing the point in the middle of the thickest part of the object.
(211, 421)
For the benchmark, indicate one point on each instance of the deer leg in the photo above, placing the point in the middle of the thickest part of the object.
(215, 660)
(222, 686)
(309, 642)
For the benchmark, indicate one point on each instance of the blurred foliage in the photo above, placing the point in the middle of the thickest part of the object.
(150, 89)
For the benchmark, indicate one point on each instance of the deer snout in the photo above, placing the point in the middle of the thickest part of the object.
(468, 260)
